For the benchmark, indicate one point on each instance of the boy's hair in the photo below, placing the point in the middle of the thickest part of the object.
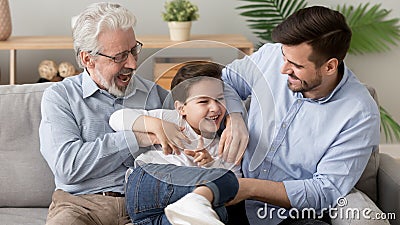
(189, 74)
(324, 29)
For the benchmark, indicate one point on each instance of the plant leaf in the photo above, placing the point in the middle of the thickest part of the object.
(372, 32)
(267, 14)
(389, 126)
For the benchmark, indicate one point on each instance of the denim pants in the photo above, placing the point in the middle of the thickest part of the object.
(151, 187)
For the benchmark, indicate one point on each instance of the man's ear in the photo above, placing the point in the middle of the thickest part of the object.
(87, 59)
(331, 66)
(180, 107)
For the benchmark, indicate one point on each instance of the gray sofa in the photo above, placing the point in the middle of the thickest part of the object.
(26, 182)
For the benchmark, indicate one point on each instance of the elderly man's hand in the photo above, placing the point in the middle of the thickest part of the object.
(145, 139)
(234, 139)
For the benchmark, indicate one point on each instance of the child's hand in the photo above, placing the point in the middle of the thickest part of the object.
(200, 154)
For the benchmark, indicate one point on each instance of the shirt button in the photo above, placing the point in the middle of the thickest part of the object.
(272, 148)
(283, 125)
(298, 100)
(264, 170)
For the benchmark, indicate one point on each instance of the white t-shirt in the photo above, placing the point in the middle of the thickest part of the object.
(123, 120)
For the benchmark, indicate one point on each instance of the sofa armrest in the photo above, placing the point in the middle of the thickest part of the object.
(389, 186)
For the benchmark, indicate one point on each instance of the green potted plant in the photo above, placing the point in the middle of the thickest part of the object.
(179, 14)
(372, 32)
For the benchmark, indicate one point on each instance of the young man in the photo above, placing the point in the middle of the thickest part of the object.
(312, 124)
(87, 157)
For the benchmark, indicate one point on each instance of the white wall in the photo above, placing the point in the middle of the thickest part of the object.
(52, 17)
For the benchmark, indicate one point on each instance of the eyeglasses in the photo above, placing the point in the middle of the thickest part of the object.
(121, 57)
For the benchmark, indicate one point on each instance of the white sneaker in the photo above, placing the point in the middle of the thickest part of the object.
(192, 209)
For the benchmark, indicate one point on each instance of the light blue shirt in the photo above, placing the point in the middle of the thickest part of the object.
(318, 148)
(82, 150)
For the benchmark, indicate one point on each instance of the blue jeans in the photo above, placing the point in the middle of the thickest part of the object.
(151, 187)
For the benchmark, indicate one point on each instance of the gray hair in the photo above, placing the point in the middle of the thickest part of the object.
(93, 20)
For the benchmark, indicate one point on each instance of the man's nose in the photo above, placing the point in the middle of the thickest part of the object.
(286, 69)
(131, 62)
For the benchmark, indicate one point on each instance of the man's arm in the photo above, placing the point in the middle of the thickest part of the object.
(336, 173)
(72, 158)
(262, 190)
(168, 135)
(239, 77)
(235, 136)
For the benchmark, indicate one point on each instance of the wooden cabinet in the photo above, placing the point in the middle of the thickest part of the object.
(150, 41)
(165, 68)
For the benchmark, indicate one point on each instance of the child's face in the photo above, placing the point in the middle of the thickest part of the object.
(205, 106)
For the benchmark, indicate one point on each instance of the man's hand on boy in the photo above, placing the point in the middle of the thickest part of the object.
(234, 139)
(145, 139)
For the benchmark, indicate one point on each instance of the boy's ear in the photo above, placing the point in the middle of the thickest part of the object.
(179, 106)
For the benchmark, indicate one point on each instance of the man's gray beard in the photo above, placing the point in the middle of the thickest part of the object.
(113, 88)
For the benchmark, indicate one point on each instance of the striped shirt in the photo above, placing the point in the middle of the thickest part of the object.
(84, 153)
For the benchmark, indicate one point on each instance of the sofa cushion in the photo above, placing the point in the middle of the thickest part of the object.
(368, 180)
(25, 178)
(389, 187)
(357, 209)
(18, 216)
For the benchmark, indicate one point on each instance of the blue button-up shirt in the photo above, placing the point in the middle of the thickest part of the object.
(318, 148)
(84, 153)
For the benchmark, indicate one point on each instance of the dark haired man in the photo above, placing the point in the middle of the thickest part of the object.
(312, 124)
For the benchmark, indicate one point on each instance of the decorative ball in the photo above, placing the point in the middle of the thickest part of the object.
(47, 69)
(66, 69)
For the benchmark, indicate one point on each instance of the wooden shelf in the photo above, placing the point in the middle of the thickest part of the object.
(200, 41)
(36, 43)
(150, 41)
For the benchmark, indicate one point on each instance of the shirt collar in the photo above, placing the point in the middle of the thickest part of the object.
(89, 87)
